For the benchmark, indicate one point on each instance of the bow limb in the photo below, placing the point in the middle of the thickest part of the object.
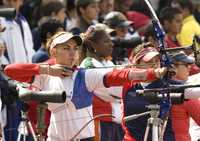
(86, 124)
(164, 60)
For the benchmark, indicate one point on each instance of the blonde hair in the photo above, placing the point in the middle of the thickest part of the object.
(138, 48)
(51, 39)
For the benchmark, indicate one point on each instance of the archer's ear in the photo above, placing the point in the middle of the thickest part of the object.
(53, 52)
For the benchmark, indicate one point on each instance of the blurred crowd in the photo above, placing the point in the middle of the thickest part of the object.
(115, 33)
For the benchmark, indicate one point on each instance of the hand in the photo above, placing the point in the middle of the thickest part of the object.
(2, 28)
(172, 71)
(60, 71)
(55, 70)
(2, 49)
(160, 72)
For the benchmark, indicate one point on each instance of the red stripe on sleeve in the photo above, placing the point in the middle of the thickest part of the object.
(120, 77)
(22, 72)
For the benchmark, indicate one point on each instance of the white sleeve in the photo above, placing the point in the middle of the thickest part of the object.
(39, 82)
(94, 83)
(112, 94)
(94, 78)
(2, 34)
(192, 93)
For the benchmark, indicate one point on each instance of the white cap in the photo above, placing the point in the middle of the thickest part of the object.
(64, 38)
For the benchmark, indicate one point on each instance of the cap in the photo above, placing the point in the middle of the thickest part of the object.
(139, 19)
(85, 2)
(116, 19)
(104, 27)
(182, 57)
(64, 38)
(146, 54)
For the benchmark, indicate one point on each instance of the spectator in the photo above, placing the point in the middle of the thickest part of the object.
(118, 21)
(150, 35)
(71, 14)
(88, 11)
(46, 30)
(17, 37)
(105, 7)
(140, 21)
(197, 10)
(97, 52)
(190, 26)
(171, 19)
(53, 9)
(17, 40)
(123, 5)
(163, 3)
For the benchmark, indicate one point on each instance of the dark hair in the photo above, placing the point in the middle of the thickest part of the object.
(168, 14)
(54, 6)
(70, 5)
(83, 4)
(78, 9)
(149, 32)
(93, 34)
(186, 4)
(51, 26)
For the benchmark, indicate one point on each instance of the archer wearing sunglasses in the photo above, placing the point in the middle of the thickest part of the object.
(181, 114)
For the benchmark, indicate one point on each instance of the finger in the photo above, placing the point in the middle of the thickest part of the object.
(2, 29)
(162, 71)
(69, 73)
(60, 75)
(172, 72)
(65, 69)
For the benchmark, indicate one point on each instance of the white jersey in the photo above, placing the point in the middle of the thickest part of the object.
(113, 98)
(19, 47)
(194, 128)
(68, 118)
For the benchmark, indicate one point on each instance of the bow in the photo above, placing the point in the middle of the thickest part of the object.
(85, 125)
(164, 60)
(160, 35)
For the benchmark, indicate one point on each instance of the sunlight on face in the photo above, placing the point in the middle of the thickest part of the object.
(182, 71)
(67, 53)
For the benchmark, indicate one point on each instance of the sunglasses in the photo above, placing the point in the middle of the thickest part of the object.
(182, 64)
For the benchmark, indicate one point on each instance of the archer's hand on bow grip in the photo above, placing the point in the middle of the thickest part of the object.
(171, 71)
(160, 72)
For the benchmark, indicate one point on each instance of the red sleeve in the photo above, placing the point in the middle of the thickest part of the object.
(193, 109)
(194, 69)
(22, 72)
(119, 77)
